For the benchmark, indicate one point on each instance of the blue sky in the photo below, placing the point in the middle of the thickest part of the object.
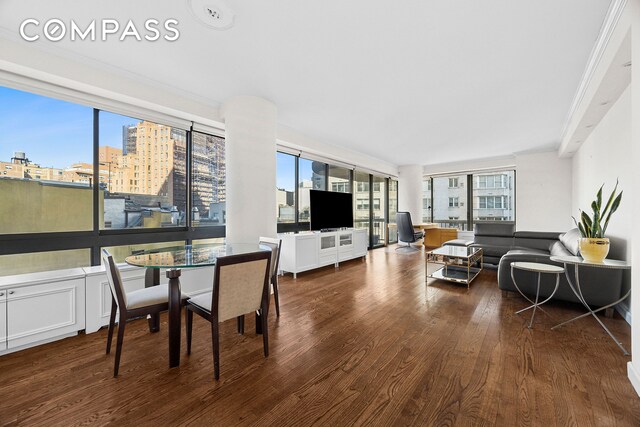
(53, 133)
(286, 171)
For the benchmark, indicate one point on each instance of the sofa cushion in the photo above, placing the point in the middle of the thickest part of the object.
(570, 240)
(527, 251)
(558, 249)
(537, 235)
(492, 250)
(493, 229)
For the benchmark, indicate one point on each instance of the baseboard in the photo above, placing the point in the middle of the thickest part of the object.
(633, 377)
(624, 311)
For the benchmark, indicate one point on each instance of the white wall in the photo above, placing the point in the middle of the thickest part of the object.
(543, 187)
(410, 191)
(634, 203)
(543, 192)
(602, 158)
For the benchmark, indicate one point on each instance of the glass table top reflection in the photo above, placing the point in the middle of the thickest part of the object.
(455, 251)
(188, 256)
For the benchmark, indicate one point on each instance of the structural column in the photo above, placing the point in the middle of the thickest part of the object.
(250, 132)
(410, 191)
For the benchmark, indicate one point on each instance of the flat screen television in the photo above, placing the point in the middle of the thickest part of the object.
(330, 210)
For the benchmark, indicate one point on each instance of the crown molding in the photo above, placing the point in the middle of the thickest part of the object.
(615, 11)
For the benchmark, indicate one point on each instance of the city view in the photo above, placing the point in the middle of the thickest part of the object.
(141, 171)
(445, 199)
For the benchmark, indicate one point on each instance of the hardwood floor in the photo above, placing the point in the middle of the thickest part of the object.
(369, 343)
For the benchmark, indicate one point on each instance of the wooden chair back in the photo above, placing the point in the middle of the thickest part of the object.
(240, 285)
(115, 280)
(276, 246)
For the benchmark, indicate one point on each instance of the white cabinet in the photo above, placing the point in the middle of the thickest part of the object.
(3, 320)
(360, 242)
(98, 301)
(40, 307)
(309, 250)
(345, 246)
(328, 252)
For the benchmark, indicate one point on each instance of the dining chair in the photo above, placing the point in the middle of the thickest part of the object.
(142, 302)
(240, 286)
(275, 245)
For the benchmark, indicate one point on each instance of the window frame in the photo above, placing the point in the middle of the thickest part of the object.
(96, 239)
(508, 201)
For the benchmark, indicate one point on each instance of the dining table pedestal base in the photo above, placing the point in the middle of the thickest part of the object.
(173, 275)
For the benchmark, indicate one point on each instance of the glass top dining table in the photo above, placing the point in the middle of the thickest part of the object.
(174, 259)
(188, 256)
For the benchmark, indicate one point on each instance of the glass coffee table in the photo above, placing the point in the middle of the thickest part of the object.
(459, 264)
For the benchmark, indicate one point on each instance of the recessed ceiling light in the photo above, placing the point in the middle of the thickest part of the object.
(212, 13)
(604, 103)
(588, 126)
(627, 64)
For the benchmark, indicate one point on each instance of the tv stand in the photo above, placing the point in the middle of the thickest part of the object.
(307, 251)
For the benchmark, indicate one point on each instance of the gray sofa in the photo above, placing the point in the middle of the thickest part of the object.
(502, 245)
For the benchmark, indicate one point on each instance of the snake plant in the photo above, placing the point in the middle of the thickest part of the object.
(595, 226)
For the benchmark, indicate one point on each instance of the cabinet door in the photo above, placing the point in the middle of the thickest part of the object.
(42, 312)
(360, 242)
(98, 298)
(3, 320)
(306, 253)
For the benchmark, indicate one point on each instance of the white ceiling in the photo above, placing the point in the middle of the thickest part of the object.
(413, 82)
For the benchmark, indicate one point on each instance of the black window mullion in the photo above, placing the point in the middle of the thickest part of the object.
(296, 193)
(371, 211)
(386, 209)
(95, 250)
(188, 177)
(469, 202)
(326, 177)
(352, 181)
(431, 200)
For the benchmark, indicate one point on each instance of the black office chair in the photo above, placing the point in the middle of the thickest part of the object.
(406, 233)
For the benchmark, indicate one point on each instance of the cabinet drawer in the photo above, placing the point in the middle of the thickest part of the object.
(328, 259)
(41, 312)
(345, 254)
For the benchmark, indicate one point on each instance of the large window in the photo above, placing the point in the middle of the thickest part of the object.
(339, 179)
(285, 187)
(426, 200)
(393, 209)
(375, 198)
(379, 214)
(362, 197)
(449, 201)
(46, 164)
(492, 195)
(208, 181)
(311, 176)
(143, 173)
(75, 179)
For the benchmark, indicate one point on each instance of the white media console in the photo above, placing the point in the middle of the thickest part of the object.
(313, 249)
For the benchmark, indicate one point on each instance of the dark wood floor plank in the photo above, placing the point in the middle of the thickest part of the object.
(367, 344)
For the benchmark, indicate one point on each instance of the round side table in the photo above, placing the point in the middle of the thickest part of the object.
(540, 269)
